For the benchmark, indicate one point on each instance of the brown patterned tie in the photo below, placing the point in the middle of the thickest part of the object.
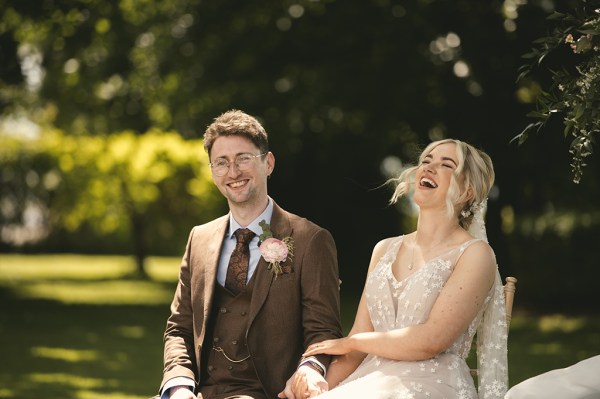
(237, 271)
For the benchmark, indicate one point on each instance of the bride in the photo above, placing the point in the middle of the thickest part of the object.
(426, 295)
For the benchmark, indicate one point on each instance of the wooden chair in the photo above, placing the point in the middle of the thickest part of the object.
(509, 295)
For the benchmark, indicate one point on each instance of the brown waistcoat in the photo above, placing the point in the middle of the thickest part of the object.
(227, 367)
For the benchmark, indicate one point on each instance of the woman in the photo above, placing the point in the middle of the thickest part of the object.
(427, 294)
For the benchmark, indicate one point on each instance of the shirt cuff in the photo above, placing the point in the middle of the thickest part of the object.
(315, 364)
(177, 381)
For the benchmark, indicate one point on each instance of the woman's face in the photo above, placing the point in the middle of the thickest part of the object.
(434, 175)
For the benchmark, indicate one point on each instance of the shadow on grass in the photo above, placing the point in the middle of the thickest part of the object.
(57, 350)
(93, 332)
(540, 343)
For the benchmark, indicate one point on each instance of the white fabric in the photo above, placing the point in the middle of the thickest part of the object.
(396, 304)
(477, 226)
(488, 333)
(580, 381)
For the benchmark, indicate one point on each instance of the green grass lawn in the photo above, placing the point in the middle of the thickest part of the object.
(76, 326)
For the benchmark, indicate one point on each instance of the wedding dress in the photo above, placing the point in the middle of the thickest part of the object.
(396, 304)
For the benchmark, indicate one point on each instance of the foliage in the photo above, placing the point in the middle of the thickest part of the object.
(348, 92)
(142, 188)
(575, 89)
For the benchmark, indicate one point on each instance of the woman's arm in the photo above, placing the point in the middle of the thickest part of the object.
(342, 366)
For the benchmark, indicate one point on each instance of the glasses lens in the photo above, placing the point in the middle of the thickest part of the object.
(220, 167)
(243, 162)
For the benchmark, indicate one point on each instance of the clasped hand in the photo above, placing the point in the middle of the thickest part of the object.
(306, 382)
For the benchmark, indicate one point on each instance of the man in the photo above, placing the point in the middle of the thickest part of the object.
(239, 323)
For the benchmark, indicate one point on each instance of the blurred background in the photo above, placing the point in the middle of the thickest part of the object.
(103, 105)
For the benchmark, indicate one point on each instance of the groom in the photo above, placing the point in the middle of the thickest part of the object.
(239, 324)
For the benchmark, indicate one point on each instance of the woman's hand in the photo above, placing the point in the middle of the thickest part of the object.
(331, 347)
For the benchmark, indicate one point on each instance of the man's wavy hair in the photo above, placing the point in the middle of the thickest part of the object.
(475, 170)
(236, 123)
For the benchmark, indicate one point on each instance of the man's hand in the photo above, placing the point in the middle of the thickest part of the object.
(182, 392)
(305, 383)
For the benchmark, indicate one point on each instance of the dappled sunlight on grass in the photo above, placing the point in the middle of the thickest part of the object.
(538, 344)
(560, 323)
(68, 355)
(84, 267)
(80, 279)
(552, 348)
(112, 395)
(120, 362)
(122, 292)
(49, 267)
(130, 331)
(71, 380)
(163, 268)
(81, 327)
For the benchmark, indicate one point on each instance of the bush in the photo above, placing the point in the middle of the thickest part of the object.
(110, 194)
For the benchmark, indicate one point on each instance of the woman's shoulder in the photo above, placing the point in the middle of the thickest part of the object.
(383, 247)
(479, 246)
(385, 243)
(477, 252)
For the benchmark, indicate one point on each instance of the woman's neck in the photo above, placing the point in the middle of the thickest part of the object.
(434, 228)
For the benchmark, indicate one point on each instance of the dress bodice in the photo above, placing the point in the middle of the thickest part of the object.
(394, 304)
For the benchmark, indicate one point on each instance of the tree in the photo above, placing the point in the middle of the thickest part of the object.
(143, 191)
(574, 94)
(347, 90)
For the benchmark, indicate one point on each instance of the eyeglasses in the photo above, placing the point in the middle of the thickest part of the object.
(220, 167)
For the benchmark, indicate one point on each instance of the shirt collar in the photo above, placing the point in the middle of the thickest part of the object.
(254, 226)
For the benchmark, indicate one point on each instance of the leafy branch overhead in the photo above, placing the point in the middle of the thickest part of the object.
(574, 91)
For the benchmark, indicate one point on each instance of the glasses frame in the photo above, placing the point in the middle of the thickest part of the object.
(235, 162)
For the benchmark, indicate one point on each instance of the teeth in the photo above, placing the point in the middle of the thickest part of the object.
(238, 184)
(428, 183)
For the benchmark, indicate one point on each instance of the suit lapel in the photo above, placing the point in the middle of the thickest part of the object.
(263, 278)
(211, 264)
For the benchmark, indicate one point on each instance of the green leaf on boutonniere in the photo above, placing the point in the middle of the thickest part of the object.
(266, 230)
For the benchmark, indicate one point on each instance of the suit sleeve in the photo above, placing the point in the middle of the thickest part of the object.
(179, 355)
(320, 292)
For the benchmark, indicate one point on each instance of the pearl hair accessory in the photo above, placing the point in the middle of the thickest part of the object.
(471, 209)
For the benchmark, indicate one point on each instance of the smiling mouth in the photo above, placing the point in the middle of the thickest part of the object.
(425, 182)
(238, 184)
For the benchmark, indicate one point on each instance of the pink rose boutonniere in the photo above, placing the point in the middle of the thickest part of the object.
(273, 250)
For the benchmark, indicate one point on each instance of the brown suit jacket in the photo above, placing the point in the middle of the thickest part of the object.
(286, 314)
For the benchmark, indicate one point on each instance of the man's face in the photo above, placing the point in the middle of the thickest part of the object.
(241, 187)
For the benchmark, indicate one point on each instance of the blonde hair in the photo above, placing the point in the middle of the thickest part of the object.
(475, 171)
